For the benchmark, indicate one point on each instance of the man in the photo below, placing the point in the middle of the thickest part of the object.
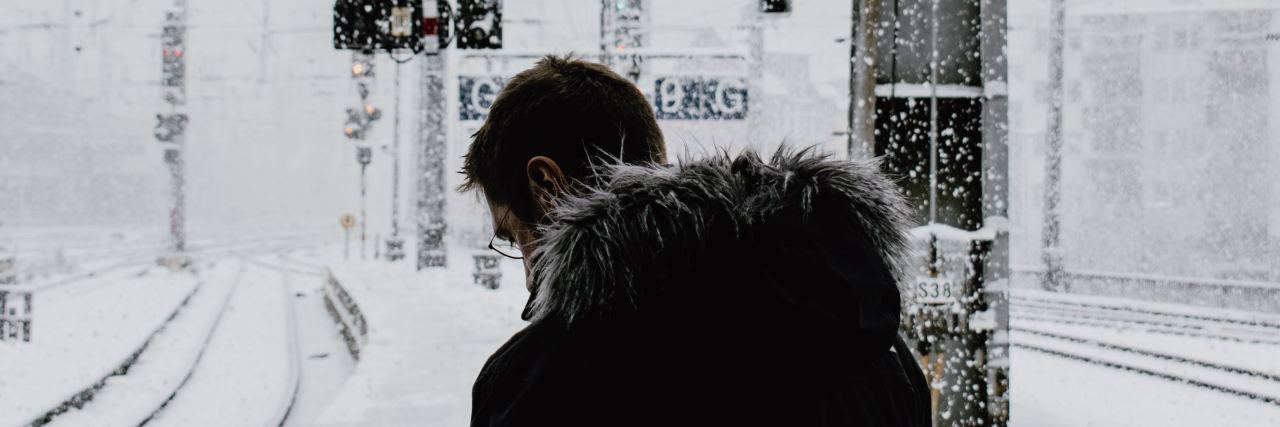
(727, 291)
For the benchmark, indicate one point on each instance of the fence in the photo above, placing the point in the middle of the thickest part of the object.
(346, 314)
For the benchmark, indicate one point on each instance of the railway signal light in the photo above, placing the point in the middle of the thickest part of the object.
(401, 25)
(359, 121)
(775, 6)
(173, 68)
(361, 69)
(377, 25)
(480, 24)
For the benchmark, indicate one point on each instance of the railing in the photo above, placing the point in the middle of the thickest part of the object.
(346, 314)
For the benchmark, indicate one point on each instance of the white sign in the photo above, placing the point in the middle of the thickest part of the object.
(936, 290)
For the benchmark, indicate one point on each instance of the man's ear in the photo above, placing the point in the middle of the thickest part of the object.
(546, 181)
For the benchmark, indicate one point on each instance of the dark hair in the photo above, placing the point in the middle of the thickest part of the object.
(575, 112)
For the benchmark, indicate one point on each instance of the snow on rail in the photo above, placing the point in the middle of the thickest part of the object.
(87, 337)
(1091, 359)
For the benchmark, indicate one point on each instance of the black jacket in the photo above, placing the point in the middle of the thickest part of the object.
(726, 292)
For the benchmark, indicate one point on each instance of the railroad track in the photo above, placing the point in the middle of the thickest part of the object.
(1255, 322)
(281, 412)
(1039, 323)
(1197, 373)
(238, 247)
(212, 312)
(85, 395)
(1257, 330)
(204, 346)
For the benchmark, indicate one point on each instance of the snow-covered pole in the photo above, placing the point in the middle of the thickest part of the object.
(431, 151)
(933, 112)
(623, 28)
(362, 155)
(757, 107)
(394, 240)
(170, 129)
(995, 206)
(359, 122)
(1051, 252)
(862, 79)
(432, 139)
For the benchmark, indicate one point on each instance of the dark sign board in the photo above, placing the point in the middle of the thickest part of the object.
(674, 97)
(700, 98)
(367, 25)
(476, 94)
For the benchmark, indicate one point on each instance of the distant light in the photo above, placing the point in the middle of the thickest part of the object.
(622, 4)
(349, 131)
(358, 69)
(369, 109)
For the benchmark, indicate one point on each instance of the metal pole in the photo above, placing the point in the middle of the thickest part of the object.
(431, 151)
(1051, 252)
(177, 217)
(862, 79)
(364, 217)
(606, 51)
(177, 165)
(995, 191)
(853, 76)
(755, 83)
(933, 113)
(393, 243)
(395, 162)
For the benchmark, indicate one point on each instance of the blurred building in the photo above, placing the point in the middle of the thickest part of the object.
(1172, 137)
(1171, 118)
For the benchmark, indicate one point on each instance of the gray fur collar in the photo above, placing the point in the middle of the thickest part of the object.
(587, 259)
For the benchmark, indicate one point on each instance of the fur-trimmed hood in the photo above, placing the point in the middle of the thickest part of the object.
(801, 241)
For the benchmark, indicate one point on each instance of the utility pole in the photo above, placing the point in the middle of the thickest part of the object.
(1051, 252)
(432, 139)
(933, 112)
(755, 72)
(364, 155)
(359, 121)
(995, 194)
(862, 79)
(623, 26)
(170, 129)
(395, 246)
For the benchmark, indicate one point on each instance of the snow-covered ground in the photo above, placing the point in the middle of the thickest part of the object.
(254, 344)
(429, 334)
(83, 331)
(1050, 391)
(240, 337)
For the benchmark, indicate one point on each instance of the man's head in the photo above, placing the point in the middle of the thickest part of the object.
(547, 128)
